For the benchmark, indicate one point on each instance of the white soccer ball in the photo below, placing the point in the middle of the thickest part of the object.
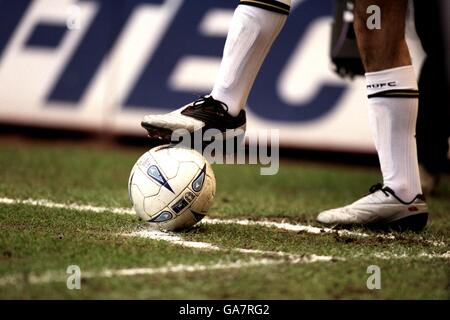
(172, 188)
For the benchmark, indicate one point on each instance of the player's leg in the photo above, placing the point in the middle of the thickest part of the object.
(393, 95)
(254, 27)
(393, 103)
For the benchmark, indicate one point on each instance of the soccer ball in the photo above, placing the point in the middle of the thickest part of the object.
(172, 188)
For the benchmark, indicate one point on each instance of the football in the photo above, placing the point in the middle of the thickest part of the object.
(172, 188)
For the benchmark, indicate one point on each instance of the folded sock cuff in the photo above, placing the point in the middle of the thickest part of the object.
(282, 7)
(399, 82)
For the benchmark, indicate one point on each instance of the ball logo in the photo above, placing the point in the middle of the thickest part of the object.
(189, 196)
(198, 182)
(163, 216)
(157, 176)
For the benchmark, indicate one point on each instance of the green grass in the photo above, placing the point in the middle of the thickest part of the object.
(37, 240)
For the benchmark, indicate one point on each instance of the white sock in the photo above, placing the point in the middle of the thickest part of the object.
(393, 106)
(254, 27)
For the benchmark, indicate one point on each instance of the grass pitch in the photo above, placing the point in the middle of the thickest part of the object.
(38, 243)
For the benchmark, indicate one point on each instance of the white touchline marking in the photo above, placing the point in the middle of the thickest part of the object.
(286, 226)
(388, 256)
(53, 276)
(159, 235)
(49, 277)
(171, 238)
(264, 223)
(309, 229)
(165, 236)
(174, 239)
(77, 207)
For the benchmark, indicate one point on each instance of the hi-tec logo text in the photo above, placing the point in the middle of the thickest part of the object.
(77, 43)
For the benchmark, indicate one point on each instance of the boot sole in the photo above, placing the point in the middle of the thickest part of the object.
(415, 223)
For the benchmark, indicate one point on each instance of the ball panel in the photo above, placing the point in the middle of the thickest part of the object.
(182, 155)
(184, 221)
(153, 205)
(138, 202)
(187, 172)
(144, 160)
(147, 186)
(211, 177)
(167, 163)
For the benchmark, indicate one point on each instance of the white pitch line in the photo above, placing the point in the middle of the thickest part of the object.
(309, 229)
(287, 226)
(53, 276)
(426, 255)
(264, 223)
(49, 277)
(165, 236)
(174, 239)
(77, 207)
(171, 238)
(97, 209)
(158, 235)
